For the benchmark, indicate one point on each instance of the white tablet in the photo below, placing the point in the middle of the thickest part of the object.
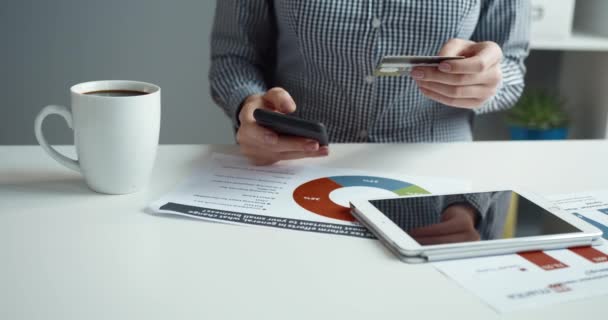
(448, 226)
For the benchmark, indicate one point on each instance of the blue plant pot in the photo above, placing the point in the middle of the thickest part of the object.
(519, 133)
(522, 133)
(554, 134)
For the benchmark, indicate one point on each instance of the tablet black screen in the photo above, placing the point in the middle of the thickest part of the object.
(471, 217)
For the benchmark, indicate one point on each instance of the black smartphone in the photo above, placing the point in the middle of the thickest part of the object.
(291, 126)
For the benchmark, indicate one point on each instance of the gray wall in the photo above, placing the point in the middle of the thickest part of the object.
(48, 45)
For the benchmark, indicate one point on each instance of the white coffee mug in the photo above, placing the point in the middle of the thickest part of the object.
(116, 125)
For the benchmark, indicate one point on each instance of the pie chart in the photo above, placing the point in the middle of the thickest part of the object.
(315, 195)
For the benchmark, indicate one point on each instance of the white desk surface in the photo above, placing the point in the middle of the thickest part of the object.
(68, 253)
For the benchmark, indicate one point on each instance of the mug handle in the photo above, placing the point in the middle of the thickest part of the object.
(67, 115)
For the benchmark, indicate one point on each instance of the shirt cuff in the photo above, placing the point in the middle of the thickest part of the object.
(508, 91)
(236, 98)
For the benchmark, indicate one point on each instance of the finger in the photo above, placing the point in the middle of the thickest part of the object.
(463, 211)
(254, 134)
(474, 91)
(443, 228)
(262, 161)
(466, 103)
(482, 56)
(268, 158)
(265, 140)
(454, 47)
(450, 238)
(433, 75)
(301, 155)
(249, 105)
(279, 100)
(287, 144)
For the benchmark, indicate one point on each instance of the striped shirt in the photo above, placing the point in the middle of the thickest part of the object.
(323, 52)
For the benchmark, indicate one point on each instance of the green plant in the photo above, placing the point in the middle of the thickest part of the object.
(538, 109)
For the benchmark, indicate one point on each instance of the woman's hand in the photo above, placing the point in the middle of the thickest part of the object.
(263, 146)
(466, 83)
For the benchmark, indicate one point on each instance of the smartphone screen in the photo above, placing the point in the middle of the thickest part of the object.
(471, 217)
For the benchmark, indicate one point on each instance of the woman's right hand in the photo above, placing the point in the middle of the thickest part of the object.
(263, 146)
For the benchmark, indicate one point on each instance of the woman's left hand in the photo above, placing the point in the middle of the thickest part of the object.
(466, 83)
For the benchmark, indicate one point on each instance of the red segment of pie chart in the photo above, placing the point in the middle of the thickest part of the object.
(314, 196)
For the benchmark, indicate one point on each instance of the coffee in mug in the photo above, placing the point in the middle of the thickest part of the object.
(116, 93)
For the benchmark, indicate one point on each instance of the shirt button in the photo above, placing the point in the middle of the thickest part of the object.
(363, 134)
(376, 23)
(369, 79)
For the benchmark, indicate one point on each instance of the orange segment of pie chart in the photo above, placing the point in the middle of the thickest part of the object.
(314, 196)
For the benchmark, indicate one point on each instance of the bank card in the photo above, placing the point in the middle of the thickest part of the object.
(394, 66)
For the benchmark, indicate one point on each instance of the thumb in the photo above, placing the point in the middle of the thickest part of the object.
(455, 47)
(279, 100)
(448, 213)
